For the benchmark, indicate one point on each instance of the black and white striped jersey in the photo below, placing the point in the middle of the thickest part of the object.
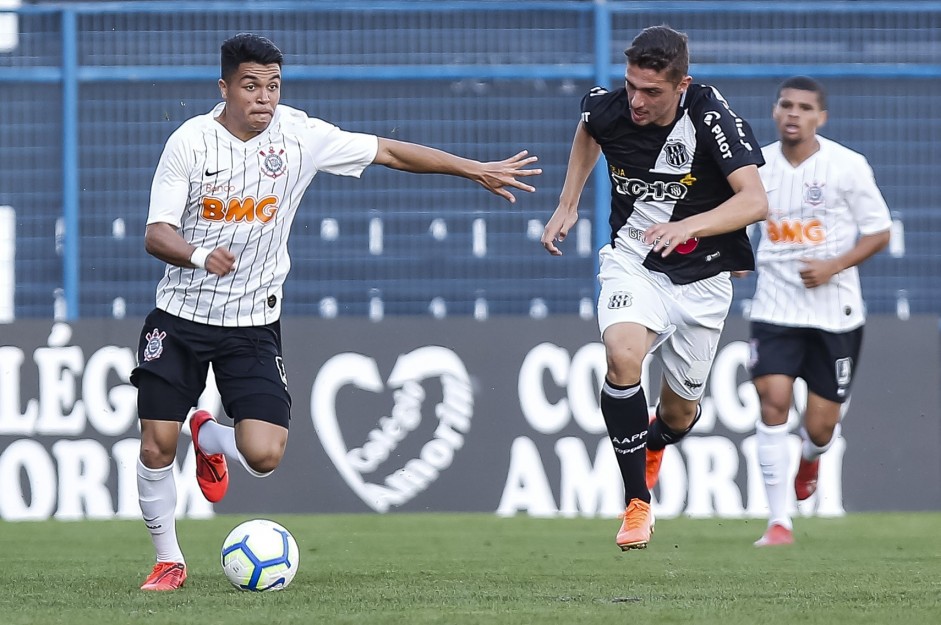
(220, 191)
(816, 210)
(666, 173)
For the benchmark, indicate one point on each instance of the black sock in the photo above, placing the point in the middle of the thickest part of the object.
(625, 414)
(659, 435)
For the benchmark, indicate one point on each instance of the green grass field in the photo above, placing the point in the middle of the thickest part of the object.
(456, 569)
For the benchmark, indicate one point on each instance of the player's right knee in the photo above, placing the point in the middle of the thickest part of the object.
(775, 408)
(153, 457)
(625, 359)
(772, 414)
(624, 371)
(158, 443)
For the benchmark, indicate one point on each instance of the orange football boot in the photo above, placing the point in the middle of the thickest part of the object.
(166, 576)
(776, 535)
(212, 475)
(637, 526)
(654, 460)
(805, 482)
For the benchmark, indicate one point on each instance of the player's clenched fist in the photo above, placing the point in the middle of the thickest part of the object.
(220, 262)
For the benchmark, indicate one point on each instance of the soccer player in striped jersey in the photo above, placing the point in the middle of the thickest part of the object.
(684, 185)
(224, 196)
(826, 217)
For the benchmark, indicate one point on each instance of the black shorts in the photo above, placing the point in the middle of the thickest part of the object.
(826, 361)
(247, 363)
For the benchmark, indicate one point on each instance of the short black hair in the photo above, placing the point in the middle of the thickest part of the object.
(805, 83)
(659, 48)
(247, 48)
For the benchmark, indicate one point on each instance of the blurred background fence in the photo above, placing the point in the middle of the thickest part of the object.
(90, 92)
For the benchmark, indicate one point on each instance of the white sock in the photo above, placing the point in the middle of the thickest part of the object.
(773, 458)
(810, 451)
(156, 490)
(215, 438)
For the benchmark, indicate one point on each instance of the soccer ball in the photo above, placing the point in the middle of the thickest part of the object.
(260, 555)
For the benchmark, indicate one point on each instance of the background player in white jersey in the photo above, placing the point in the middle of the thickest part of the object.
(224, 196)
(826, 217)
(684, 184)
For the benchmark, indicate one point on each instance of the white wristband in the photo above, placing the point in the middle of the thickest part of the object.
(199, 256)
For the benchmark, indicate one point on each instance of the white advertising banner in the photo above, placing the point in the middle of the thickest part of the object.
(453, 415)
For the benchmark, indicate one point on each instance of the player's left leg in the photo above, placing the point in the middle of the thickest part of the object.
(261, 439)
(829, 372)
(698, 312)
(257, 441)
(674, 418)
(821, 427)
(212, 471)
(251, 378)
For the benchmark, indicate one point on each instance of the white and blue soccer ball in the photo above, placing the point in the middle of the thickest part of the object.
(260, 555)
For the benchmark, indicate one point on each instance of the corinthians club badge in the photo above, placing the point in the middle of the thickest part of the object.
(813, 193)
(154, 347)
(272, 162)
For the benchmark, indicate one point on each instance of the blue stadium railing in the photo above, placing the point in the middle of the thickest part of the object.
(94, 89)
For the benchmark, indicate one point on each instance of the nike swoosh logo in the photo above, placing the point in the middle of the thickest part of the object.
(213, 173)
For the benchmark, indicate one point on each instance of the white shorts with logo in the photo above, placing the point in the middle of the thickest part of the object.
(688, 318)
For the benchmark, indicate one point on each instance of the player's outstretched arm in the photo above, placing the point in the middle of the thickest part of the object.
(495, 176)
(163, 241)
(585, 153)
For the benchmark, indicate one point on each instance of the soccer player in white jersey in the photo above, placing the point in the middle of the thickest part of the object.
(826, 217)
(224, 195)
(684, 185)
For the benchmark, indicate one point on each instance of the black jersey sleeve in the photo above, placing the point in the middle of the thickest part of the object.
(600, 110)
(726, 136)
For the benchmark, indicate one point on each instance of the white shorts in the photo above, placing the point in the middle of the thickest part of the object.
(688, 318)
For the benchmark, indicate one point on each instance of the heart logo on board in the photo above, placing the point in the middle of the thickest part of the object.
(436, 454)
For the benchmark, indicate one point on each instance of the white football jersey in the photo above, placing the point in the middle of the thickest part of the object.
(816, 210)
(220, 191)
